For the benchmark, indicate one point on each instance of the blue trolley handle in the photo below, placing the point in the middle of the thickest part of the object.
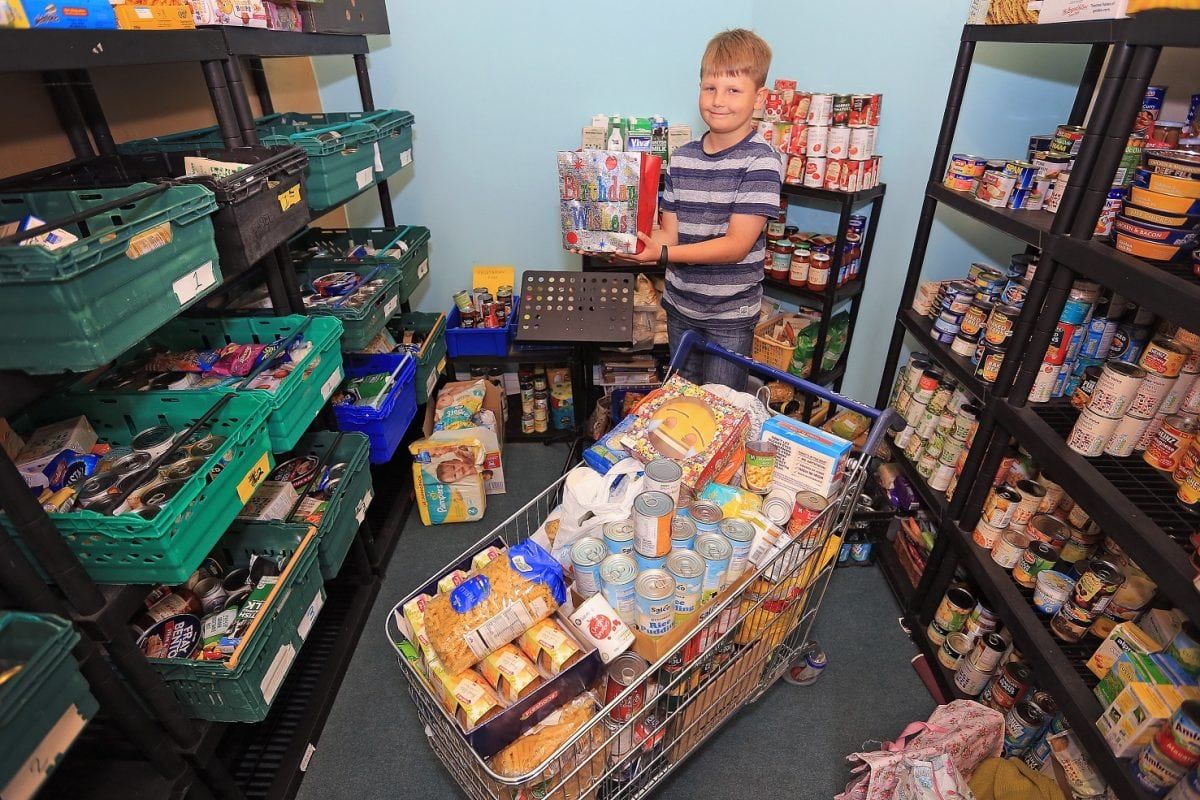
(882, 419)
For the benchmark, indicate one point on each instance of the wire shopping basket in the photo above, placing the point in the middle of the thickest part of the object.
(745, 640)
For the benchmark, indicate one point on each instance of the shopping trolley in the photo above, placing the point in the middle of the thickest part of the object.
(741, 646)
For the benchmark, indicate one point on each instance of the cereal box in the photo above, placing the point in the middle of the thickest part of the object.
(808, 459)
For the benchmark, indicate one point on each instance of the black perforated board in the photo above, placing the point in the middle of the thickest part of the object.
(582, 307)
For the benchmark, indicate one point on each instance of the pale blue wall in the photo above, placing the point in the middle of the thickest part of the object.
(497, 88)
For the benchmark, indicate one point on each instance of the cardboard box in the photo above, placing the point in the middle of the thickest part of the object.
(1053, 11)
(95, 14)
(1156, 668)
(492, 439)
(12, 14)
(809, 459)
(272, 500)
(241, 13)
(1132, 719)
(1162, 625)
(154, 16)
(1125, 637)
(48, 441)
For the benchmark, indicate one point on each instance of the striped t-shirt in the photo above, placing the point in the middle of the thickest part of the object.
(703, 191)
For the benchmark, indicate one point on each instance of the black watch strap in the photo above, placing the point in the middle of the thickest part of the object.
(662, 257)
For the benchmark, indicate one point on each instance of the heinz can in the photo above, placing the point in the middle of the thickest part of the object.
(1165, 356)
(683, 533)
(1115, 389)
(617, 575)
(1091, 433)
(652, 523)
(664, 475)
(1174, 438)
(618, 536)
(707, 515)
(655, 602)
(687, 567)
(740, 535)
(586, 557)
(717, 552)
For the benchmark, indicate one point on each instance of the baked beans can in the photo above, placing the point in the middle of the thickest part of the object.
(990, 360)
(687, 567)
(1031, 493)
(652, 512)
(975, 317)
(1115, 389)
(1091, 433)
(663, 475)
(1008, 686)
(1008, 549)
(586, 556)
(1174, 438)
(1000, 505)
(1187, 463)
(655, 602)
(1125, 436)
(818, 142)
(953, 648)
(1082, 394)
(814, 172)
(624, 671)
(1000, 323)
(618, 537)
(986, 535)
(617, 575)
(807, 509)
(683, 533)
(820, 109)
(969, 679)
(1037, 556)
(1189, 489)
(1164, 356)
(717, 552)
(741, 536)
(707, 516)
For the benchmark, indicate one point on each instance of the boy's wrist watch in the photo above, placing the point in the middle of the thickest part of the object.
(662, 257)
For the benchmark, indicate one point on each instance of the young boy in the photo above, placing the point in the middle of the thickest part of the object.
(720, 190)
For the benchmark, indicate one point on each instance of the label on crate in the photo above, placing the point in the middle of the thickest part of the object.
(29, 777)
(364, 177)
(432, 380)
(253, 478)
(331, 384)
(289, 198)
(310, 616)
(423, 269)
(189, 287)
(406, 157)
(149, 240)
(308, 754)
(277, 672)
(378, 159)
(390, 308)
(360, 511)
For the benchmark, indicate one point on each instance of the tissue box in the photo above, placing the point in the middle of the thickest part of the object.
(808, 459)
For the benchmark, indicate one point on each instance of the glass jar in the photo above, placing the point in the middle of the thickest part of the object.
(818, 272)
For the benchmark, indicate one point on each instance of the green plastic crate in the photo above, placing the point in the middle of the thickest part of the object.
(48, 693)
(168, 548)
(359, 325)
(80, 306)
(243, 691)
(413, 265)
(390, 139)
(431, 360)
(348, 506)
(298, 400)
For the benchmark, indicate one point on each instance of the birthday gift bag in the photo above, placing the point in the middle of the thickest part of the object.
(605, 198)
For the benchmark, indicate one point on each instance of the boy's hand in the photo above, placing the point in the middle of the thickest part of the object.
(649, 254)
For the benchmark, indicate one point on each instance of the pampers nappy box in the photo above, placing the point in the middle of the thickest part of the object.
(448, 478)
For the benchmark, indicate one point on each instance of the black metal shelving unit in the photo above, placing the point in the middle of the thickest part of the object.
(1131, 502)
(143, 743)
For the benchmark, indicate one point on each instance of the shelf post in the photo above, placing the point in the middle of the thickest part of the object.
(69, 114)
(89, 103)
(1087, 83)
(218, 91)
(241, 102)
(828, 299)
(368, 103)
(258, 75)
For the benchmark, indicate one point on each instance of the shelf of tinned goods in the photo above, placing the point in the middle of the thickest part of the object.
(833, 195)
(1169, 289)
(1031, 227)
(815, 298)
(1056, 664)
(933, 500)
(959, 367)
(1130, 500)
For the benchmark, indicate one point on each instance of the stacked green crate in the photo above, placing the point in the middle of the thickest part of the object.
(431, 355)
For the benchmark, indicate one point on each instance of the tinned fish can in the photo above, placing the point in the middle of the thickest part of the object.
(683, 533)
(586, 556)
(655, 602)
(618, 536)
(652, 513)
(964, 171)
(717, 552)
(687, 567)
(617, 575)
(707, 515)
(740, 535)
(663, 475)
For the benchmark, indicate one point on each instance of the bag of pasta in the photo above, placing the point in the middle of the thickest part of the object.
(495, 606)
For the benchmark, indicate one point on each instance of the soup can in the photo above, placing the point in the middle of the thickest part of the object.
(687, 567)
(655, 602)
(652, 512)
(807, 509)
(707, 515)
(683, 533)
(617, 575)
(1036, 556)
(586, 556)
(1164, 356)
(740, 535)
(717, 552)
(618, 536)
(663, 475)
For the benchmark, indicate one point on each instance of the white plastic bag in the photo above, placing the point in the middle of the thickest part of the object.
(589, 501)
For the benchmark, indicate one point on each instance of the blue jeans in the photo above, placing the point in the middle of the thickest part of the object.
(703, 369)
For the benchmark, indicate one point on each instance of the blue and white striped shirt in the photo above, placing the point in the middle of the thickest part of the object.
(703, 191)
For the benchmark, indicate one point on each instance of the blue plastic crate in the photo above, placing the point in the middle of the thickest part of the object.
(385, 426)
(462, 341)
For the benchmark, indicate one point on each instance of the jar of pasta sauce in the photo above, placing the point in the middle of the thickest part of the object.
(798, 276)
(779, 254)
(818, 272)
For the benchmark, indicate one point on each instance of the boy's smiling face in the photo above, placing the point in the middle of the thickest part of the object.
(727, 102)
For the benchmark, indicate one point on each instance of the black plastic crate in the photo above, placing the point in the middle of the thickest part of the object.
(258, 208)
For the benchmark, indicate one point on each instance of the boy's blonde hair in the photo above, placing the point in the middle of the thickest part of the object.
(735, 53)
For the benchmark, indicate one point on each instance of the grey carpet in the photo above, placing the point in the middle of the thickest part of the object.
(790, 743)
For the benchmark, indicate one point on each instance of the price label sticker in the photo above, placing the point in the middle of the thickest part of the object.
(289, 198)
(390, 307)
(253, 478)
(331, 383)
(406, 158)
(365, 177)
(423, 269)
(360, 511)
(378, 159)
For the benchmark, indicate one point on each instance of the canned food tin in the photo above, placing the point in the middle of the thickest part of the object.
(618, 536)
(1173, 439)
(648, 562)
(617, 576)
(800, 526)
(759, 466)
(655, 602)
(624, 671)
(963, 345)
(1067, 139)
(687, 567)
(182, 469)
(155, 441)
(740, 535)
(1008, 685)
(975, 318)
(1000, 323)
(1091, 433)
(663, 475)
(1155, 770)
(969, 679)
(994, 188)
(1037, 556)
(1031, 493)
(990, 360)
(1125, 436)
(953, 648)
(1187, 464)
(986, 535)
(820, 109)
(814, 171)
(707, 515)
(1051, 590)
(1008, 549)
(683, 533)
(778, 504)
(952, 612)
(652, 513)
(988, 651)
(211, 594)
(586, 556)
(1082, 395)
(1022, 724)
(1000, 506)
(717, 552)
(963, 172)
(1150, 395)
(158, 494)
(1165, 356)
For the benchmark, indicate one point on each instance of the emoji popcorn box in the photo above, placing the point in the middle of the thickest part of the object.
(699, 430)
(606, 197)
